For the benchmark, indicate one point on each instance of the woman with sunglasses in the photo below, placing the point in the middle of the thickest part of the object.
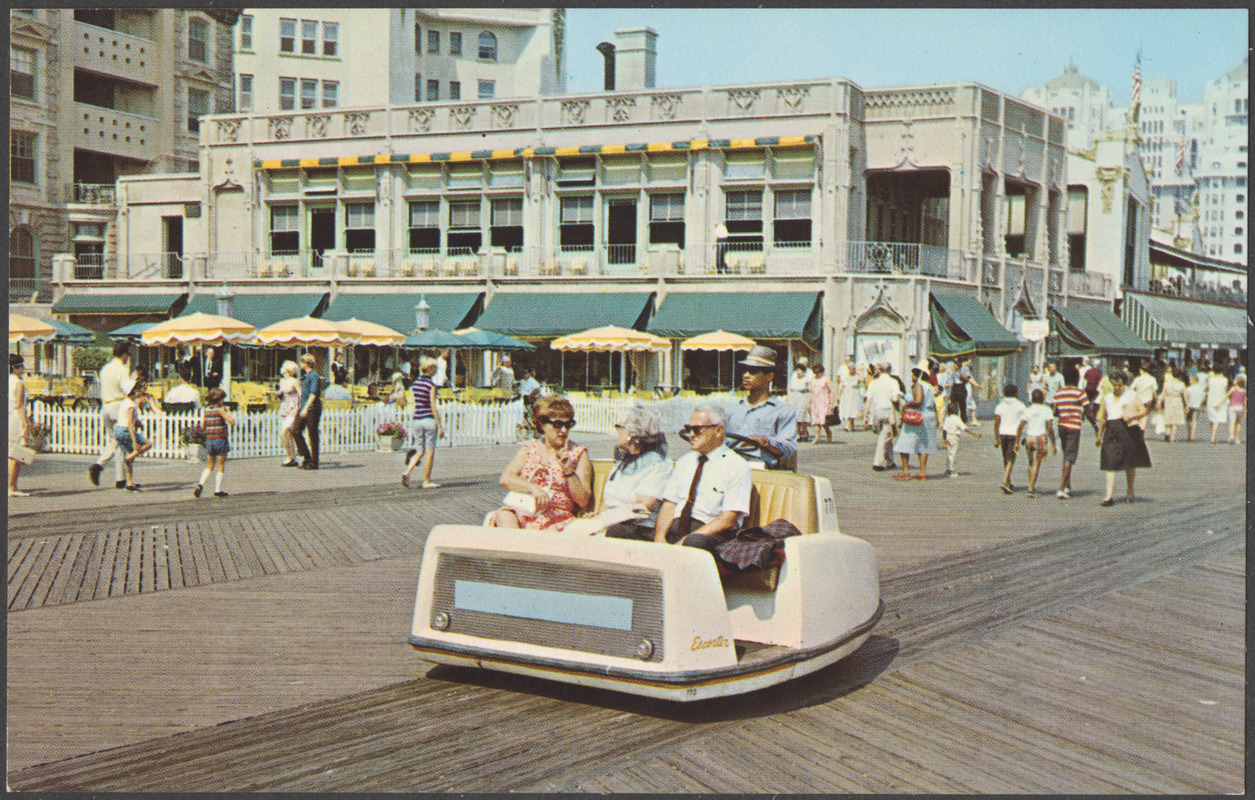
(640, 472)
(555, 471)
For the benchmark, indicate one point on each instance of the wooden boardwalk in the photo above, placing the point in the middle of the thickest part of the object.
(1104, 656)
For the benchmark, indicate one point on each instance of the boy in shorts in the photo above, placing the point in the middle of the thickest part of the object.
(1069, 404)
(951, 430)
(1007, 422)
(1036, 423)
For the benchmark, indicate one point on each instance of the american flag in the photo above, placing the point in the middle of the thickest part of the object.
(1181, 156)
(1135, 95)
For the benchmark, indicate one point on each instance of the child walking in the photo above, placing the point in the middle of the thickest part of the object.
(1036, 423)
(951, 430)
(1007, 417)
(129, 431)
(216, 422)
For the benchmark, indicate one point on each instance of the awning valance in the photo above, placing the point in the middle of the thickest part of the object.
(69, 333)
(547, 315)
(98, 303)
(396, 311)
(1089, 331)
(1173, 322)
(758, 315)
(962, 326)
(531, 152)
(261, 310)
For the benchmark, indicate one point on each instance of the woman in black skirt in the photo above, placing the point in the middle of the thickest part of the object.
(1121, 436)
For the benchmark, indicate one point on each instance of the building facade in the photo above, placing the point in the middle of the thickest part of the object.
(307, 59)
(95, 95)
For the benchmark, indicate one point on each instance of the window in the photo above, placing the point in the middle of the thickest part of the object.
(464, 237)
(665, 167)
(465, 176)
(620, 170)
(309, 93)
(793, 165)
(1237, 231)
(433, 91)
(505, 174)
(425, 226)
(359, 227)
(507, 224)
(309, 37)
(745, 212)
(246, 93)
(575, 221)
(418, 39)
(487, 47)
(198, 40)
(22, 259)
(576, 172)
(197, 107)
(433, 42)
(487, 90)
(22, 73)
(330, 94)
(418, 88)
(750, 165)
(666, 219)
(455, 90)
(455, 43)
(287, 94)
(246, 32)
(287, 36)
(330, 36)
(285, 236)
(792, 224)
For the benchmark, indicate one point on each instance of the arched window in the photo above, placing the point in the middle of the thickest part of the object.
(22, 260)
(487, 47)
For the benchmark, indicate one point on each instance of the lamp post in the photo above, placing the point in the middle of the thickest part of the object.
(226, 308)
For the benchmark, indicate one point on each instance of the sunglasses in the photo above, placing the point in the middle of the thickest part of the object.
(559, 423)
(691, 429)
(759, 370)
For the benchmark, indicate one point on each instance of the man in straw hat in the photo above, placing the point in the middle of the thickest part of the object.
(763, 419)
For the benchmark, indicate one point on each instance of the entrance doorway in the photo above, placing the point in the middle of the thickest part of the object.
(172, 249)
(322, 234)
(621, 231)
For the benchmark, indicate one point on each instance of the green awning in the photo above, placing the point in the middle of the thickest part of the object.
(758, 315)
(261, 310)
(962, 326)
(69, 333)
(1173, 322)
(396, 311)
(1090, 331)
(547, 315)
(97, 303)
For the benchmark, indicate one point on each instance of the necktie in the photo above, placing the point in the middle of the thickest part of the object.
(686, 516)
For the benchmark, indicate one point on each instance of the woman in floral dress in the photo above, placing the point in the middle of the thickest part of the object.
(553, 470)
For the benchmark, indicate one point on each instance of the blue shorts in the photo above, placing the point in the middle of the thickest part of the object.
(425, 434)
(217, 447)
(123, 435)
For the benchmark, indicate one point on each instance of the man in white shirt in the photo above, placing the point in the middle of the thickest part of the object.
(503, 376)
(1051, 382)
(708, 494)
(113, 376)
(883, 394)
(721, 247)
(1007, 416)
(184, 392)
(442, 369)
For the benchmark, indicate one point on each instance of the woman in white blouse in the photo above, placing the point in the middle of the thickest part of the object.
(1121, 435)
(640, 472)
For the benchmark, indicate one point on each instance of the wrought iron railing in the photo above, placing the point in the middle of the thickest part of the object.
(897, 257)
(91, 193)
(154, 266)
(91, 267)
(1206, 292)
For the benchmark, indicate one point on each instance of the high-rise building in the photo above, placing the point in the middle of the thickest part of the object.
(294, 59)
(1220, 175)
(1084, 104)
(97, 94)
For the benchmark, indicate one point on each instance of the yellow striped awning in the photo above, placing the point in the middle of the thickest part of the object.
(530, 152)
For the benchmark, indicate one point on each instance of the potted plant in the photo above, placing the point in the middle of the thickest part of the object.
(193, 435)
(37, 436)
(389, 437)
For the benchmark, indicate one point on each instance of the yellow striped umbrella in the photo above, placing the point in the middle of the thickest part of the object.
(612, 339)
(370, 332)
(717, 340)
(29, 329)
(307, 332)
(198, 328)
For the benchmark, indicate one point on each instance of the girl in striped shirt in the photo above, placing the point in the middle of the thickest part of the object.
(217, 422)
(427, 425)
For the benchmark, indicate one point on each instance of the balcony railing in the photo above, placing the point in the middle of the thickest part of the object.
(153, 266)
(91, 267)
(93, 194)
(895, 257)
(1205, 292)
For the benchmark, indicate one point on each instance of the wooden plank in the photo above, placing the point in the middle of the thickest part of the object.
(162, 539)
(148, 566)
(203, 548)
(261, 547)
(135, 561)
(174, 557)
(275, 546)
(122, 555)
(246, 555)
(27, 575)
(18, 550)
(64, 574)
(82, 582)
(232, 561)
(187, 560)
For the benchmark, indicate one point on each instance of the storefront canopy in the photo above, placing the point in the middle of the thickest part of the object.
(260, 310)
(69, 333)
(758, 315)
(1090, 331)
(106, 304)
(550, 315)
(396, 311)
(1172, 322)
(962, 326)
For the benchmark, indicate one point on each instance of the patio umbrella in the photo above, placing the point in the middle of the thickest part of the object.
(612, 339)
(370, 332)
(433, 338)
(307, 332)
(718, 341)
(29, 329)
(69, 333)
(475, 339)
(132, 332)
(198, 328)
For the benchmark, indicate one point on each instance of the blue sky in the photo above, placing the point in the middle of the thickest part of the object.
(1005, 49)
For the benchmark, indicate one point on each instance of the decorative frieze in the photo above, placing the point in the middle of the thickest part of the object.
(421, 119)
(316, 126)
(744, 100)
(228, 130)
(355, 122)
(280, 128)
(573, 111)
(619, 109)
(664, 106)
(462, 116)
(792, 97)
(503, 115)
(1107, 177)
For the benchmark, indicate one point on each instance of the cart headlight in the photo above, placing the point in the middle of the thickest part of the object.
(441, 621)
(644, 650)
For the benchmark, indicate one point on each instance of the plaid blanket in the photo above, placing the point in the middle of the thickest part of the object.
(757, 548)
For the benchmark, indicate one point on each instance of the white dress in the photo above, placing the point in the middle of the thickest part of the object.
(850, 403)
(1217, 403)
(800, 394)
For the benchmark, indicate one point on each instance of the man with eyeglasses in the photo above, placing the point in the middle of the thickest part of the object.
(708, 494)
(768, 421)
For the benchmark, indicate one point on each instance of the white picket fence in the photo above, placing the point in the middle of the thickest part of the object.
(353, 430)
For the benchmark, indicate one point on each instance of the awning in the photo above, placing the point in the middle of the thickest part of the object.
(260, 310)
(1173, 322)
(547, 315)
(1090, 331)
(396, 311)
(116, 304)
(758, 315)
(69, 333)
(962, 326)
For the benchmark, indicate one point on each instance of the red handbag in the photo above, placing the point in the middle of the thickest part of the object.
(912, 416)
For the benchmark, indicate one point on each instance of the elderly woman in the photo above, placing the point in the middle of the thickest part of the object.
(918, 437)
(823, 399)
(289, 400)
(553, 470)
(19, 419)
(1121, 436)
(639, 474)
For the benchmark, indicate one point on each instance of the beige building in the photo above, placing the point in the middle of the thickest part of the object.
(96, 95)
(306, 59)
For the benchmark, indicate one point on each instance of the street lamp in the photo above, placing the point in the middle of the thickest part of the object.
(422, 314)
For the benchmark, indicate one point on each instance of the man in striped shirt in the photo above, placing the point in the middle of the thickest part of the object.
(1069, 404)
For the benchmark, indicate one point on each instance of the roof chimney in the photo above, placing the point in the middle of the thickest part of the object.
(635, 56)
(607, 52)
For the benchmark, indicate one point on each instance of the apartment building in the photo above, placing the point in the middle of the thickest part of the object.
(304, 59)
(1082, 102)
(96, 95)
